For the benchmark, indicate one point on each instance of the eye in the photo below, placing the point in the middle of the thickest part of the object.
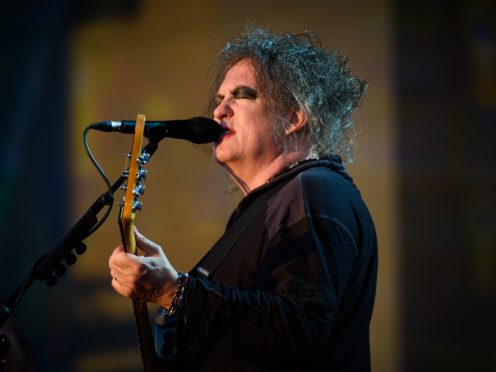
(244, 92)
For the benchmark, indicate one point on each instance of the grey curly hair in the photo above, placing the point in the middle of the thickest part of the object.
(296, 71)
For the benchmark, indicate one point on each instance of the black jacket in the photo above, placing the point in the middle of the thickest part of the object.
(296, 291)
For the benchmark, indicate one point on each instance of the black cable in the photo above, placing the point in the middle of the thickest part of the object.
(104, 176)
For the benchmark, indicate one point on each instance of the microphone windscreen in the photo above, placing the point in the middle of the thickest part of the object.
(204, 130)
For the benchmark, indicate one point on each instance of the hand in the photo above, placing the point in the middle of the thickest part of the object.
(150, 277)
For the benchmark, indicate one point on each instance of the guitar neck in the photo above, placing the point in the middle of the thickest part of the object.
(126, 224)
(145, 336)
(140, 309)
(127, 236)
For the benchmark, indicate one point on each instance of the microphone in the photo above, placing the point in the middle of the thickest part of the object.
(196, 130)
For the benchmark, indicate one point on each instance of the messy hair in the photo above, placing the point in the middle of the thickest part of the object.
(294, 71)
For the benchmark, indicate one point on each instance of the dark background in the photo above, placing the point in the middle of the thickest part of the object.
(444, 87)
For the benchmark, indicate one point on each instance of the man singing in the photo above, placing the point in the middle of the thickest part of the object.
(291, 284)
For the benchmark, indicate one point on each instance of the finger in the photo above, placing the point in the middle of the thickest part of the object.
(111, 262)
(120, 260)
(121, 287)
(117, 275)
(119, 248)
(146, 245)
(125, 278)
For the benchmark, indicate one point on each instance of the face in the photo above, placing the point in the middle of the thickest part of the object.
(240, 108)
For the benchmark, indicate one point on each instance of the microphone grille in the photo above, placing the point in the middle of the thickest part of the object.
(204, 130)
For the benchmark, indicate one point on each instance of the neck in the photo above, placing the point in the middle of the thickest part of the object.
(249, 178)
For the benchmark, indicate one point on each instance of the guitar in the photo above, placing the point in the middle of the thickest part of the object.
(133, 190)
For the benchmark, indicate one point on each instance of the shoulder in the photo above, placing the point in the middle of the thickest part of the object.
(318, 188)
(316, 193)
(313, 191)
(321, 178)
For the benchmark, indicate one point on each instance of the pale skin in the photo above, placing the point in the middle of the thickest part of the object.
(250, 156)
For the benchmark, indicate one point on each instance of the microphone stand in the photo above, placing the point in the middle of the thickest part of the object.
(51, 265)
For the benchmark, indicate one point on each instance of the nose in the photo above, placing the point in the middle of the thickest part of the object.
(223, 110)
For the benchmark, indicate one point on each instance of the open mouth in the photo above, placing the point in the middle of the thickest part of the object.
(228, 132)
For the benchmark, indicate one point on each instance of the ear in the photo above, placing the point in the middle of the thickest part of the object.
(297, 121)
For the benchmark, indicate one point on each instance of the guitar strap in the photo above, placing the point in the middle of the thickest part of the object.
(216, 255)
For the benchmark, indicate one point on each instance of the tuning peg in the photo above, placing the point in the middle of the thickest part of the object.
(142, 173)
(139, 190)
(137, 206)
(144, 158)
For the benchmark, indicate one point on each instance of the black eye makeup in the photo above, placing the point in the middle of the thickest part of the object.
(244, 92)
(241, 92)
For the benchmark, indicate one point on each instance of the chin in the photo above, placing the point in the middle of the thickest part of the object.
(218, 155)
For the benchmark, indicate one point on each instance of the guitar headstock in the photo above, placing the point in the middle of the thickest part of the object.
(134, 187)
